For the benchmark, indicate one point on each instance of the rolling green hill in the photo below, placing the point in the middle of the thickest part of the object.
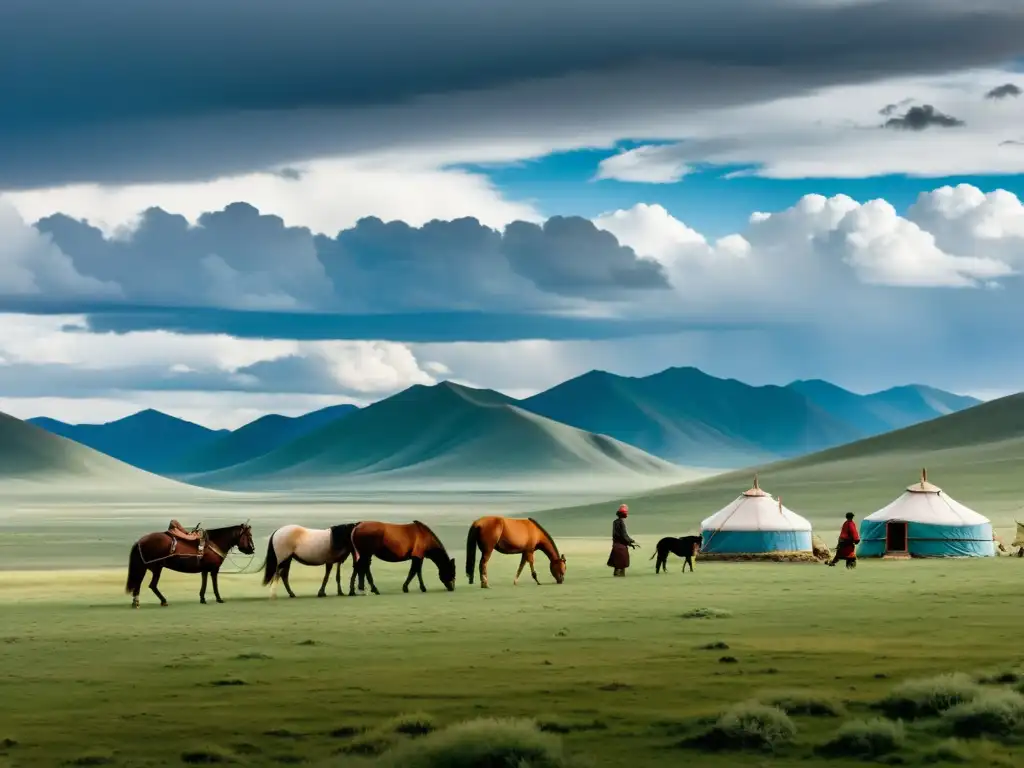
(442, 433)
(686, 416)
(255, 439)
(976, 455)
(33, 458)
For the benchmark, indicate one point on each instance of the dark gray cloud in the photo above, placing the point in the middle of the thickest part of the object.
(200, 88)
(239, 259)
(919, 118)
(1004, 91)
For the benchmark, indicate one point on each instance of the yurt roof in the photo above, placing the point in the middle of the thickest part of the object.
(925, 503)
(755, 510)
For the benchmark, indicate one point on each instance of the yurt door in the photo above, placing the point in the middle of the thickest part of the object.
(895, 536)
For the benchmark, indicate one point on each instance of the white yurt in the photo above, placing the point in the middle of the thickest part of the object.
(925, 522)
(755, 524)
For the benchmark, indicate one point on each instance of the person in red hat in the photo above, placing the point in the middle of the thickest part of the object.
(622, 542)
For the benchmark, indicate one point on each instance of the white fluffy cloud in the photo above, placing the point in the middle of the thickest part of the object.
(324, 195)
(40, 356)
(952, 237)
(31, 265)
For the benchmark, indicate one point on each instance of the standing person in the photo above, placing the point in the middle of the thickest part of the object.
(849, 538)
(622, 542)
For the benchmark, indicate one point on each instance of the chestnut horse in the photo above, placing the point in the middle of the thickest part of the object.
(511, 536)
(308, 546)
(396, 543)
(202, 552)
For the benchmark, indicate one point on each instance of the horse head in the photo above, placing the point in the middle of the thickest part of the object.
(245, 543)
(558, 569)
(446, 572)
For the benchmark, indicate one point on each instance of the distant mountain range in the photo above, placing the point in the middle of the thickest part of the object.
(598, 422)
(686, 416)
(441, 433)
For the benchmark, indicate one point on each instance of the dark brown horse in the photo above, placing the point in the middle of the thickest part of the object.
(682, 546)
(511, 536)
(200, 552)
(396, 543)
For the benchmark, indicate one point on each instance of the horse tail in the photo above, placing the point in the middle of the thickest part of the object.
(271, 565)
(136, 570)
(472, 542)
(653, 555)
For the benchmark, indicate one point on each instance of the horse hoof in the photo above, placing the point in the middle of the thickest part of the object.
(405, 589)
(221, 601)
(423, 589)
(163, 605)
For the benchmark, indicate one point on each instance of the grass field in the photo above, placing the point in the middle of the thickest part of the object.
(611, 664)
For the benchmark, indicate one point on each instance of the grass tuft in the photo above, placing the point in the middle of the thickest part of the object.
(207, 756)
(481, 744)
(369, 743)
(949, 751)
(994, 713)
(749, 725)
(413, 724)
(866, 739)
(806, 703)
(556, 724)
(707, 613)
(930, 696)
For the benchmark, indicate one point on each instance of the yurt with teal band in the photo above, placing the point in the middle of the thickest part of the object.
(925, 522)
(756, 526)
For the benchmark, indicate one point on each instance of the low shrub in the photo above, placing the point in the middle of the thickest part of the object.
(806, 703)
(414, 724)
(370, 743)
(929, 696)
(994, 713)
(866, 739)
(748, 725)
(481, 743)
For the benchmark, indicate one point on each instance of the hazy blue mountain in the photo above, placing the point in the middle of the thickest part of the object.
(688, 417)
(149, 439)
(257, 438)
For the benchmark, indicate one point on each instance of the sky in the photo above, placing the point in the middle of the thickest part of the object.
(224, 208)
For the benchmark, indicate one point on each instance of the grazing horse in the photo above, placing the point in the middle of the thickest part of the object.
(511, 536)
(396, 543)
(308, 546)
(683, 546)
(201, 551)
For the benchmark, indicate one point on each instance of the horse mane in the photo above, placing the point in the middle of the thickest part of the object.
(550, 537)
(427, 528)
(210, 531)
(341, 535)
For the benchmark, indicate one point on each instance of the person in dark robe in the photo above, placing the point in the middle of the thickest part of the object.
(849, 538)
(622, 542)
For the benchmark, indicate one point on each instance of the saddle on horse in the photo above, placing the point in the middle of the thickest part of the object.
(178, 532)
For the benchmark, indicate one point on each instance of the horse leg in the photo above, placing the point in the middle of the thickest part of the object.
(533, 570)
(369, 576)
(522, 564)
(216, 591)
(286, 568)
(327, 577)
(484, 559)
(419, 575)
(202, 589)
(152, 585)
(412, 573)
(337, 578)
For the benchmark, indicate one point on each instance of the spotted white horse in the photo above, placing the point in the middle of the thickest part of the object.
(329, 547)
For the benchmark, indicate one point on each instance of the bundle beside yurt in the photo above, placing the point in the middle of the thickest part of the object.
(755, 526)
(924, 522)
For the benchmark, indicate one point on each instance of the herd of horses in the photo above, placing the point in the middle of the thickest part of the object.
(204, 551)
